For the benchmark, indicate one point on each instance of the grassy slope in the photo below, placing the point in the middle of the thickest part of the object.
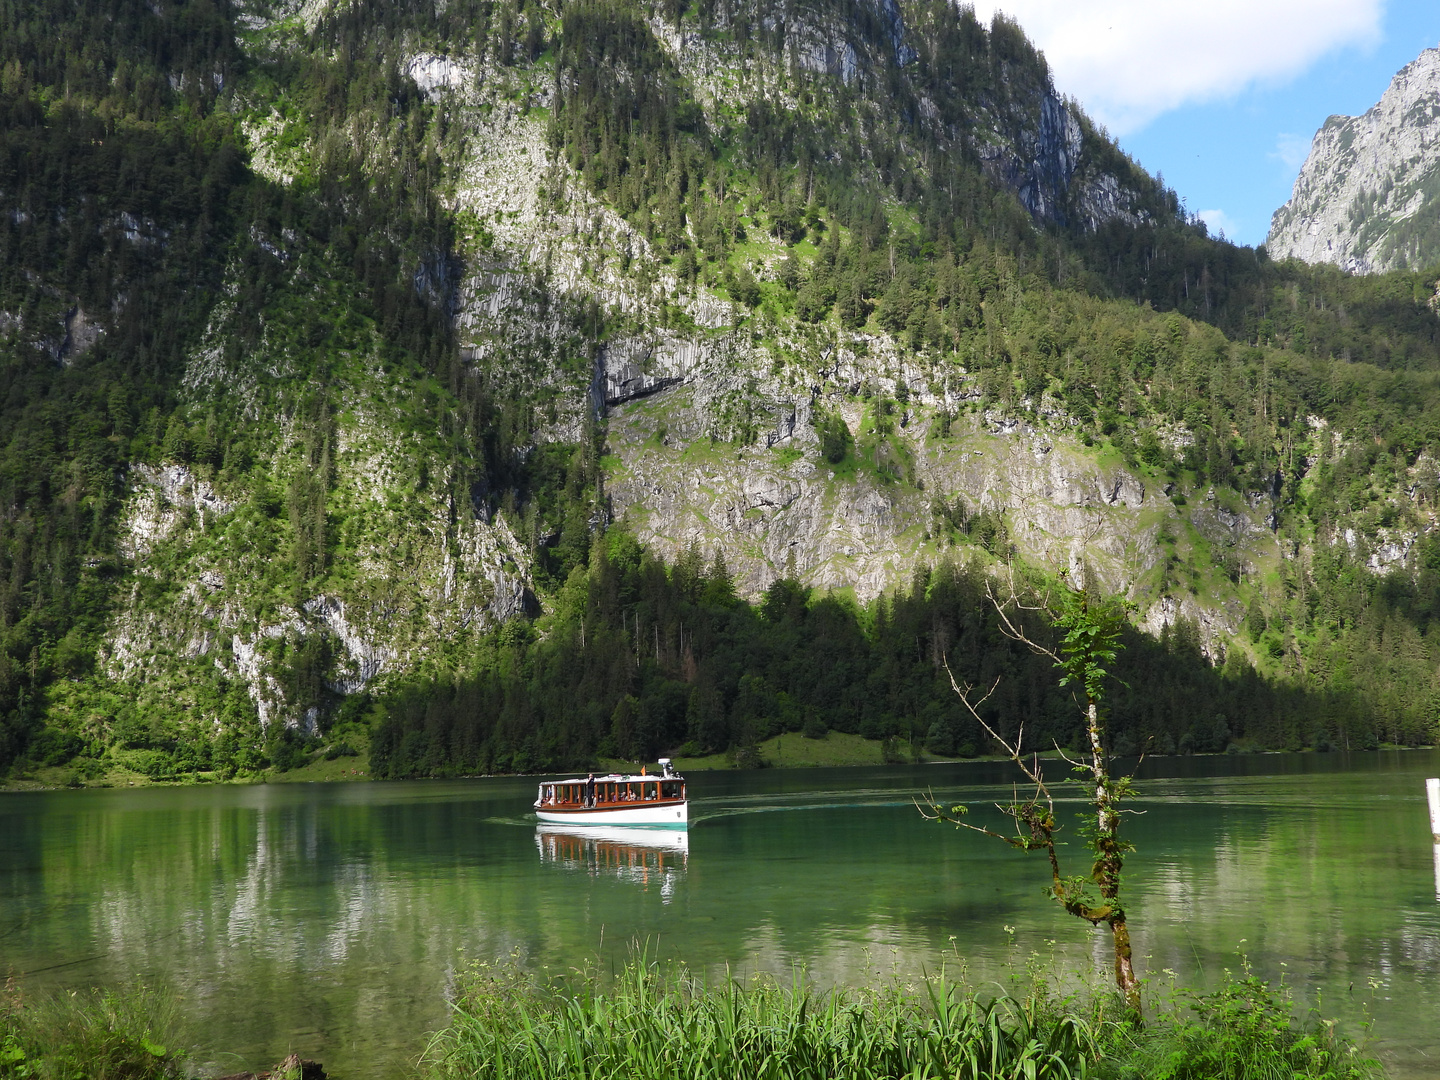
(318, 770)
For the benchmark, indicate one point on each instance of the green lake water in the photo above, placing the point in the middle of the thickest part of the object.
(329, 919)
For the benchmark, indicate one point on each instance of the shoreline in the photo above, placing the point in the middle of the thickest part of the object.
(835, 751)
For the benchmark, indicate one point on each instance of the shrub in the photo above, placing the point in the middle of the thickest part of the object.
(834, 438)
(53, 746)
(1246, 1029)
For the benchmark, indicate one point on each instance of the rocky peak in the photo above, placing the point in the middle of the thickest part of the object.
(1367, 196)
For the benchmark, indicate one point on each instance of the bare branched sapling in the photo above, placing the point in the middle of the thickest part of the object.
(1088, 646)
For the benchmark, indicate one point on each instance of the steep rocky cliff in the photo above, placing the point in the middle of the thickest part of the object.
(1368, 196)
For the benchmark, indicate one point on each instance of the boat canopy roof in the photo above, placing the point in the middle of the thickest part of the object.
(620, 778)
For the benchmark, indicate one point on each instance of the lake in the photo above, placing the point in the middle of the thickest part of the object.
(328, 919)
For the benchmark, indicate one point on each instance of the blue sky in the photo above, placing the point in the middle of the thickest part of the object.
(1223, 98)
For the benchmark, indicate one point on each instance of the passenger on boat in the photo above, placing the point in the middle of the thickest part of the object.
(590, 790)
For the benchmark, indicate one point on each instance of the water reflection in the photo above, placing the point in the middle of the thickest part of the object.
(327, 919)
(644, 857)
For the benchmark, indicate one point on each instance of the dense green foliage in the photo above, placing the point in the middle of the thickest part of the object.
(126, 183)
(127, 131)
(654, 1023)
(122, 192)
(641, 659)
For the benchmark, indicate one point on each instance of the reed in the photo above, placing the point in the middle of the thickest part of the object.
(655, 1023)
(129, 1034)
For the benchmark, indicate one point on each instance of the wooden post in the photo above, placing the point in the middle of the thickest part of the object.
(1432, 789)
(1437, 873)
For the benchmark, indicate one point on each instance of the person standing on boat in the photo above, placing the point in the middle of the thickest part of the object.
(590, 790)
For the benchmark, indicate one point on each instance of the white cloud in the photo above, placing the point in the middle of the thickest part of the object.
(1128, 61)
(1220, 223)
(1291, 150)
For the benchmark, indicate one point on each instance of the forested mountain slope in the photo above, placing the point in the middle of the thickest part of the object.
(454, 373)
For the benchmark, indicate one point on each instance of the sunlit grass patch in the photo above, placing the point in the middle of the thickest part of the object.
(131, 1034)
(322, 769)
(663, 1022)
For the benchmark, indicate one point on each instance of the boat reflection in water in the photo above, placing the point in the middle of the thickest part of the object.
(646, 857)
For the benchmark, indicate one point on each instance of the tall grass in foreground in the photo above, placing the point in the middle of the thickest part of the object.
(94, 1035)
(663, 1024)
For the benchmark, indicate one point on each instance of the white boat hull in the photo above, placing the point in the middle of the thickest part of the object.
(664, 816)
(640, 839)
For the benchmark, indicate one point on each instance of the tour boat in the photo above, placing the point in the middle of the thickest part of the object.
(616, 799)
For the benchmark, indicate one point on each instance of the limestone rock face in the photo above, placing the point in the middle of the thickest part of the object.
(1042, 159)
(1368, 196)
(779, 508)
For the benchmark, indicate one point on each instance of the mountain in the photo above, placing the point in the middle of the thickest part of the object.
(1368, 196)
(498, 384)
